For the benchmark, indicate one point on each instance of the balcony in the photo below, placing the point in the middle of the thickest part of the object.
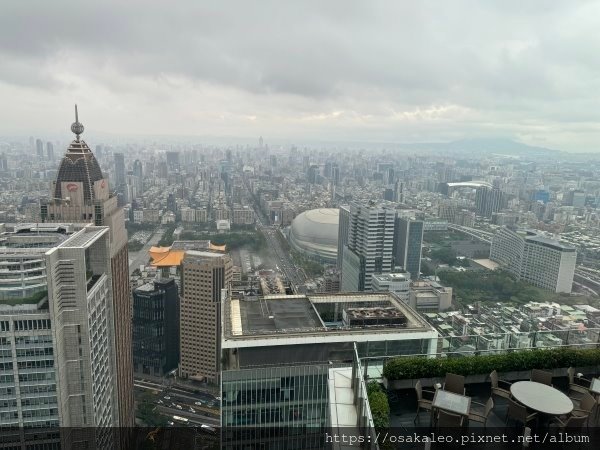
(538, 393)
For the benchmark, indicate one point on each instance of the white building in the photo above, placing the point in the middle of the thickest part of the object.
(398, 283)
(80, 290)
(57, 349)
(242, 215)
(541, 261)
(429, 296)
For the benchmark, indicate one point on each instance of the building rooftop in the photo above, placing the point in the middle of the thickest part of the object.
(174, 255)
(393, 277)
(316, 314)
(551, 243)
(84, 237)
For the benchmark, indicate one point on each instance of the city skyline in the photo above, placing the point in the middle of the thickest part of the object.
(346, 72)
(288, 220)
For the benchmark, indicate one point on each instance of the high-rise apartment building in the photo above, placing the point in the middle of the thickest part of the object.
(81, 194)
(119, 169)
(541, 261)
(408, 241)
(156, 327)
(369, 248)
(204, 276)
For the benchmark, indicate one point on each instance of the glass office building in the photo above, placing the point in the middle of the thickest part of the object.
(278, 353)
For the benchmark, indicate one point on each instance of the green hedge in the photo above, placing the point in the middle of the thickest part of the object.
(380, 408)
(421, 367)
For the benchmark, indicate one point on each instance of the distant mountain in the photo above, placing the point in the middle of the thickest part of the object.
(491, 146)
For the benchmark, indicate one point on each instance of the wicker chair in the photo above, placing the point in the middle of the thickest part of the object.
(449, 420)
(423, 403)
(455, 383)
(571, 423)
(519, 413)
(541, 376)
(481, 416)
(496, 389)
(577, 384)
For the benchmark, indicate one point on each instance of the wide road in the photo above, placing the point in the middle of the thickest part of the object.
(141, 257)
(283, 260)
(198, 407)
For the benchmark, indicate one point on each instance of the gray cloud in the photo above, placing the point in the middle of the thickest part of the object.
(317, 70)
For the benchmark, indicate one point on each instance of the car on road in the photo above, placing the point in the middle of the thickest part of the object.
(192, 410)
(160, 402)
(178, 407)
(198, 403)
(218, 398)
(170, 423)
(166, 397)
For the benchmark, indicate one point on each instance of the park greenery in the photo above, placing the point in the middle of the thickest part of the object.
(380, 407)
(414, 367)
(133, 227)
(446, 255)
(146, 411)
(253, 241)
(135, 246)
(493, 286)
(167, 238)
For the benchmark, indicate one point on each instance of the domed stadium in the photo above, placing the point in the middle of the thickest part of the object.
(315, 234)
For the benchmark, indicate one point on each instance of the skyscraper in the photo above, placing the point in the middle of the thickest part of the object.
(81, 194)
(57, 326)
(369, 248)
(399, 191)
(137, 168)
(39, 145)
(50, 151)
(119, 169)
(343, 226)
(204, 276)
(173, 160)
(488, 201)
(156, 327)
(81, 306)
(408, 240)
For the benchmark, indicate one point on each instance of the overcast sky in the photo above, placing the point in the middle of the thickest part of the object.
(378, 71)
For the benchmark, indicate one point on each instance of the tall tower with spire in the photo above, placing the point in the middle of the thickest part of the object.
(81, 194)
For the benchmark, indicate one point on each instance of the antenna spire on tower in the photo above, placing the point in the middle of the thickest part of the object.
(77, 127)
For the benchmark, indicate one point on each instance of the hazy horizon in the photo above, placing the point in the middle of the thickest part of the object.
(341, 71)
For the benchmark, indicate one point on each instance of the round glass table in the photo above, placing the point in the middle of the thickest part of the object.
(541, 397)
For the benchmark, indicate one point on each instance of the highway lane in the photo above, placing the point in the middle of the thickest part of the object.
(201, 407)
(192, 417)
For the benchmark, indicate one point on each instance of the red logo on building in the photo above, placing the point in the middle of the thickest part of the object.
(72, 187)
